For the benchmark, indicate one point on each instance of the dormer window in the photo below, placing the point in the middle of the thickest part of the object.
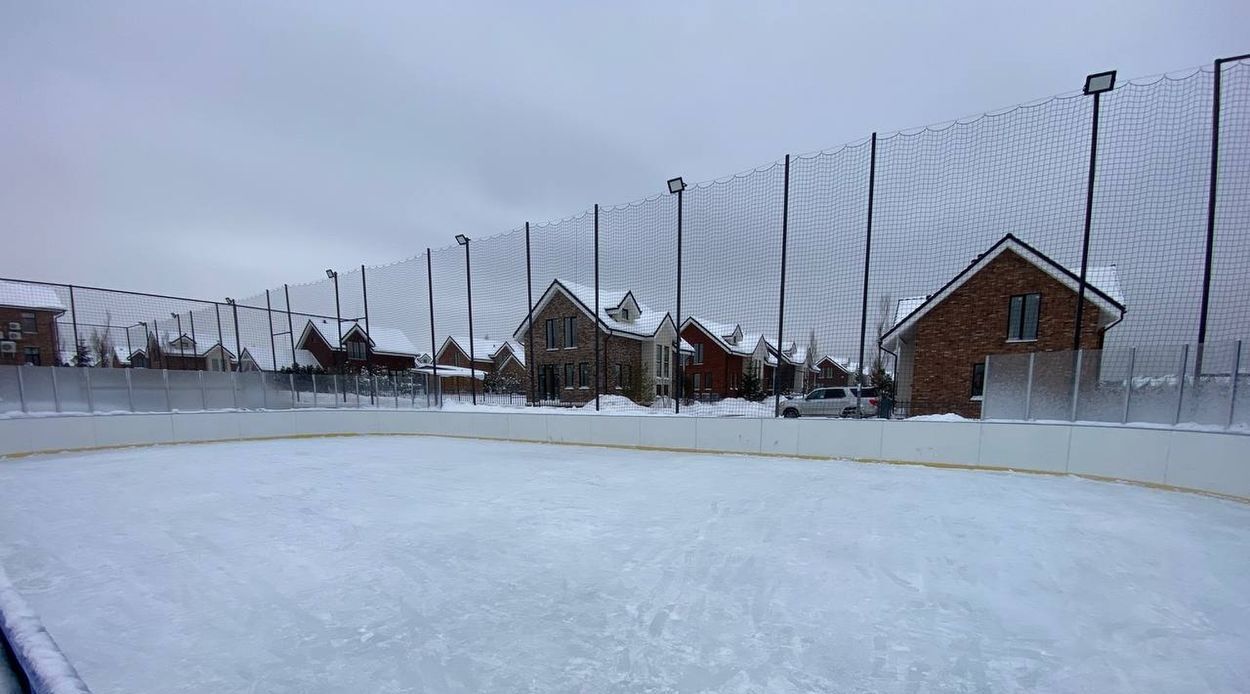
(625, 314)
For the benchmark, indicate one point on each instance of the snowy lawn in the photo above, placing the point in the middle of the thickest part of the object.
(395, 564)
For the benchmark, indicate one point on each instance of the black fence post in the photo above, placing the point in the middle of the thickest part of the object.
(273, 345)
(364, 292)
(863, 307)
(73, 316)
(529, 294)
(1211, 201)
(468, 284)
(429, 278)
(338, 322)
(290, 326)
(781, 307)
(182, 345)
(677, 386)
(598, 366)
(191, 320)
(221, 344)
(1089, 219)
(238, 347)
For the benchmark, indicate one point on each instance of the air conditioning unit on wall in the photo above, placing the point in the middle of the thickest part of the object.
(15, 334)
(14, 325)
(8, 347)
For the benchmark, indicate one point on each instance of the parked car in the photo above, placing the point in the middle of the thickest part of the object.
(832, 402)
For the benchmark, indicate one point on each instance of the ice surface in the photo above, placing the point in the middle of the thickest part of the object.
(413, 564)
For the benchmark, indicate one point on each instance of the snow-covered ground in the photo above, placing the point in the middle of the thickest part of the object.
(392, 564)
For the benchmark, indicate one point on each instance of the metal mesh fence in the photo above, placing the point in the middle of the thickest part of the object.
(893, 277)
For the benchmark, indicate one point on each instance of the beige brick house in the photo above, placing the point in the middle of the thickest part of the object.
(639, 345)
(1011, 299)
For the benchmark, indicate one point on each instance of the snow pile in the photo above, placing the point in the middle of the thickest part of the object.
(616, 404)
(37, 654)
(948, 417)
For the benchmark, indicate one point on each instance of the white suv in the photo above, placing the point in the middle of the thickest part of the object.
(831, 402)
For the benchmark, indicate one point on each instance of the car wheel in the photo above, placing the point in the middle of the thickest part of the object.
(790, 413)
(849, 412)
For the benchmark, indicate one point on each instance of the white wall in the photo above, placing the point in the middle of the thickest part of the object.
(1203, 461)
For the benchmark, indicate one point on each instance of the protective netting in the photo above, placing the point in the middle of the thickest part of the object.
(940, 197)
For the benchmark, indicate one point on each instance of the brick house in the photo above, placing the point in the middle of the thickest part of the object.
(796, 370)
(183, 354)
(503, 357)
(386, 348)
(721, 354)
(830, 372)
(1011, 299)
(28, 330)
(638, 345)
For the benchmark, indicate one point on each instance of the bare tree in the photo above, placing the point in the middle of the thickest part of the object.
(102, 343)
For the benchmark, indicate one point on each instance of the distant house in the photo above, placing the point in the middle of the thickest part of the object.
(1011, 299)
(28, 331)
(831, 372)
(796, 371)
(182, 353)
(721, 354)
(383, 347)
(506, 358)
(638, 345)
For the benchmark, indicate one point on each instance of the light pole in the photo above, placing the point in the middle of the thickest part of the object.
(338, 319)
(676, 186)
(238, 349)
(182, 353)
(1095, 84)
(468, 283)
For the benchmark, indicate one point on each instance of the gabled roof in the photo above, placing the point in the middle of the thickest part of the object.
(721, 332)
(1102, 286)
(830, 361)
(382, 340)
(645, 325)
(484, 349)
(37, 297)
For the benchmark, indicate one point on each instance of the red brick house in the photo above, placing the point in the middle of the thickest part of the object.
(386, 348)
(28, 330)
(831, 372)
(1011, 299)
(638, 345)
(505, 358)
(721, 354)
(183, 354)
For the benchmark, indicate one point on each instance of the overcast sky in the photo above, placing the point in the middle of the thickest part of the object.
(219, 148)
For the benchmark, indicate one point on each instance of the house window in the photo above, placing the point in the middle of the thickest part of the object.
(698, 353)
(31, 356)
(583, 375)
(356, 350)
(707, 382)
(697, 381)
(568, 375)
(1023, 312)
(978, 380)
(570, 332)
(552, 341)
(29, 324)
(625, 314)
(667, 361)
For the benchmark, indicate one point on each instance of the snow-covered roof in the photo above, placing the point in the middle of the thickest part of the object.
(1102, 286)
(843, 364)
(445, 371)
(723, 333)
(643, 321)
(484, 349)
(382, 340)
(37, 297)
(305, 358)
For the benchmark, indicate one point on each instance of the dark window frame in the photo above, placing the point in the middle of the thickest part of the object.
(31, 328)
(570, 332)
(698, 353)
(1019, 335)
(31, 355)
(552, 334)
(583, 374)
(978, 380)
(357, 350)
(568, 375)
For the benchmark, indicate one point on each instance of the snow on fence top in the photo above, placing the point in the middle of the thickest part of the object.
(37, 654)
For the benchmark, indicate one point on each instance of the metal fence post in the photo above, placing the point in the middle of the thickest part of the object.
(130, 391)
(781, 303)
(314, 385)
(335, 380)
(234, 387)
(1028, 389)
(863, 308)
(1180, 390)
(598, 335)
(203, 391)
(395, 389)
(291, 382)
(1076, 384)
(86, 375)
(21, 389)
(169, 403)
(264, 390)
(73, 316)
(56, 392)
(1232, 391)
(273, 345)
(358, 389)
(1128, 383)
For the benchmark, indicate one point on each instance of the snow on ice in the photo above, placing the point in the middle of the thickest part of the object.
(402, 564)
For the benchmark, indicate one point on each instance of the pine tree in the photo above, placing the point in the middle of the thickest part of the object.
(82, 355)
(750, 387)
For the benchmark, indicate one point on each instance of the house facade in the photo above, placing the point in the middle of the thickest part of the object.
(830, 373)
(638, 346)
(502, 362)
(721, 354)
(383, 348)
(1012, 299)
(28, 330)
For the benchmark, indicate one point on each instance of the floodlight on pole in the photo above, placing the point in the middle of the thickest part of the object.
(676, 185)
(468, 285)
(462, 240)
(1099, 82)
(230, 301)
(330, 274)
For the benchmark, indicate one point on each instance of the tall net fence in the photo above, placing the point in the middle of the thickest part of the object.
(869, 279)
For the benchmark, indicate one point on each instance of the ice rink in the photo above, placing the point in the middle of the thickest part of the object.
(414, 564)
